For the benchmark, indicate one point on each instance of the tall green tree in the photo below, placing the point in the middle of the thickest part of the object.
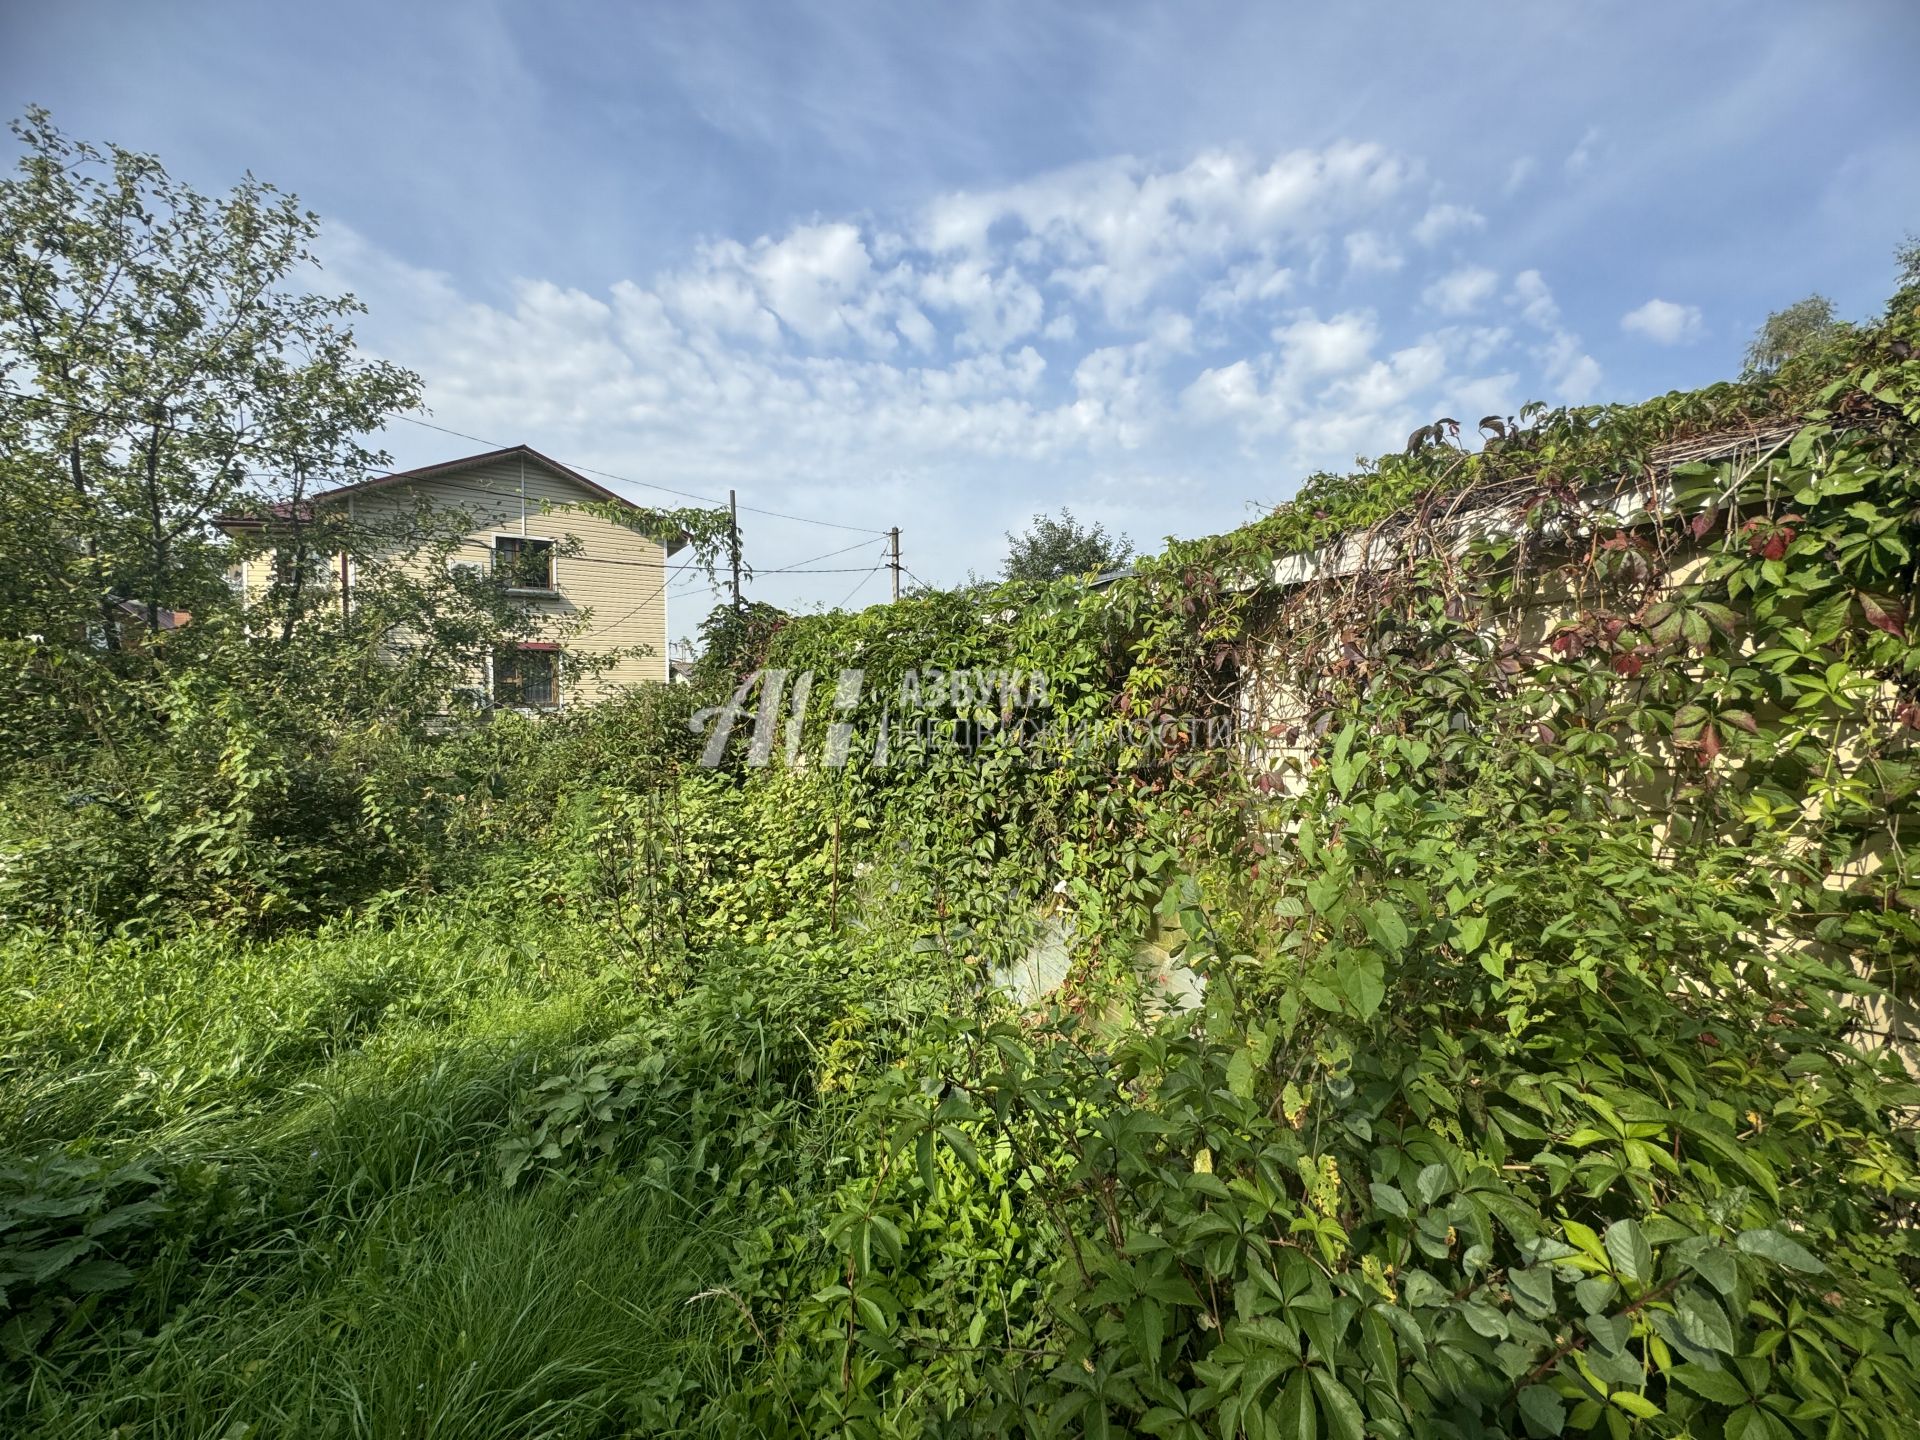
(1802, 326)
(1052, 547)
(159, 363)
(1906, 293)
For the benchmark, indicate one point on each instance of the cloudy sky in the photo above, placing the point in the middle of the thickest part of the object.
(941, 266)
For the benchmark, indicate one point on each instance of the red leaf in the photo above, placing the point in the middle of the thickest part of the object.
(1884, 615)
(1709, 743)
(1704, 522)
(1776, 546)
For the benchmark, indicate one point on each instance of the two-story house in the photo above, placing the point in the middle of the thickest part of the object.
(615, 575)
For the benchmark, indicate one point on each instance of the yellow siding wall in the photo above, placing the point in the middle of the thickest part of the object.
(617, 580)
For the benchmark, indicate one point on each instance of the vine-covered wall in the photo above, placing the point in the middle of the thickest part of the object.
(1532, 1090)
(1698, 607)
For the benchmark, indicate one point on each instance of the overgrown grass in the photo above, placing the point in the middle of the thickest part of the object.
(336, 1253)
(555, 1312)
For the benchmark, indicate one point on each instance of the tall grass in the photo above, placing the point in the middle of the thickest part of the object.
(559, 1312)
(349, 1264)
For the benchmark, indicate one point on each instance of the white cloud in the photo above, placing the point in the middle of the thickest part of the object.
(1246, 285)
(1368, 252)
(1461, 291)
(1171, 332)
(1519, 173)
(915, 326)
(1388, 383)
(809, 276)
(1229, 392)
(1117, 319)
(1536, 301)
(1440, 221)
(1485, 395)
(1474, 345)
(998, 306)
(1580, 158)
(1574, 375)
(1118, 231)
(718, 295)
(1664, 322)
(1310, 346)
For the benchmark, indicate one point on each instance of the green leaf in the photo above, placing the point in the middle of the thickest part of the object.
(1432, 1183)
(1717, 1268)
(1468, 932)
(1627, 1248)
(1781, 1249)
(1389, 1199)
(1484, 1319)
(1340, 767)
(961, 1146)
(1718, 1386)
(1635, 1404)
(1703, 1322)
(1344, 1421)
(90, 1276)
(1544, 1412)
(1295, 1414)
(1363, 982)
(1240, 1074)
(42, 1265)
(1147, 1328)
(1610, 1332)
(1388, 926)
(1532, 1288)
(1750, 1422)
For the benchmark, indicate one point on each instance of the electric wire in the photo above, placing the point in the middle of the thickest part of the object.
(857, 586)
(629, 480)
(380, 473)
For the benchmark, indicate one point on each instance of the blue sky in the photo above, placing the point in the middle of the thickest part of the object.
(942, 266)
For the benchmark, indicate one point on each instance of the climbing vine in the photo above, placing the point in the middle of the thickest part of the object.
(1552, 897)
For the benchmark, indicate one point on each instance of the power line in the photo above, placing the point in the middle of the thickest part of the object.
(827, 570)
(496, 445)
(787, 569)
(377, 471)
(651, 485)
(857, 584)
(644, 603)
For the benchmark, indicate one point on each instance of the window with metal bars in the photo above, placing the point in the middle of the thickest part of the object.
(527, 676)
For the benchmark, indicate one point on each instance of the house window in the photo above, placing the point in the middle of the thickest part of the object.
(297, 568)
(523, 564)
(526, 675)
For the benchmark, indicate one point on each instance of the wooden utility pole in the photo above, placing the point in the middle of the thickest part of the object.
(733, 543)
(893, 563)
